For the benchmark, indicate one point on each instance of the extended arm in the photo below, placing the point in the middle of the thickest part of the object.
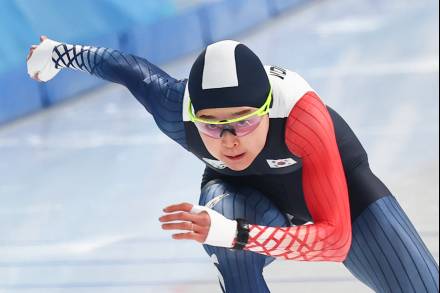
(115, 66)
(159, 93)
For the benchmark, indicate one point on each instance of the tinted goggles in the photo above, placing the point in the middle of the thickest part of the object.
(240, 126)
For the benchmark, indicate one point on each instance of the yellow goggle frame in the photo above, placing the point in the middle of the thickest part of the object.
(263, 110)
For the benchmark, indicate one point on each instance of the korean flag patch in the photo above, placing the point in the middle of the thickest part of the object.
(281, 163)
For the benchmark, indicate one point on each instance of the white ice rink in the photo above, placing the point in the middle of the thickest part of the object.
(82, 185)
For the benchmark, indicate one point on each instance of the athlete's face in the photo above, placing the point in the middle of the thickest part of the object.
(237, 152)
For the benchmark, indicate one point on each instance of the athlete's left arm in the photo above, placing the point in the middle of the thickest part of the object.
(310, 135)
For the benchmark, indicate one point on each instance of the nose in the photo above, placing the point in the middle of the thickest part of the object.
(229, 140)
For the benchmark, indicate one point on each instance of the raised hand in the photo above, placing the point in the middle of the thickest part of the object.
(39, 60)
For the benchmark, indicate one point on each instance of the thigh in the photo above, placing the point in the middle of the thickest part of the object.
(240, 271)
(235, 201)
(387, 254)
(283, 191)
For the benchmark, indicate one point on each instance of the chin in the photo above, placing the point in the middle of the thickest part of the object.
(238, 166)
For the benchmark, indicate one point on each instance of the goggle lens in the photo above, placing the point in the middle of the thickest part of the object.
(240, 128)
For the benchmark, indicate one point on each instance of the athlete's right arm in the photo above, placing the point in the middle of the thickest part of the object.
(158, 92)
(108, 64)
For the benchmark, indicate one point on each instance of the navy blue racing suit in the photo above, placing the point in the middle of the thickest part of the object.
(386, 254)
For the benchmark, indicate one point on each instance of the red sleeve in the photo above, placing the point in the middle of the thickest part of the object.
(310, 135)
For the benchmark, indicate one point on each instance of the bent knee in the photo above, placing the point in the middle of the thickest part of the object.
(242, 202)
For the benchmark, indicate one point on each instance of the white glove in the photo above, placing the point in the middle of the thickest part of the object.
(222, 232)
(41, 61)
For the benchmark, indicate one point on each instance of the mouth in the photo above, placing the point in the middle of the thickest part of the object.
(235, 158)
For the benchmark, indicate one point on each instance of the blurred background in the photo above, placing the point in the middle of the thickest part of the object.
(85, 173)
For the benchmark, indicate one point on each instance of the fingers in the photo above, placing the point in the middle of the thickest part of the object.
(36, 76)
(179, 217)
(33, 47)
(197, 224)
(188, 226)
(31, 50)
(189, 236)
(184, 207)
(202, 219)
(197, 232)
(179, 226)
